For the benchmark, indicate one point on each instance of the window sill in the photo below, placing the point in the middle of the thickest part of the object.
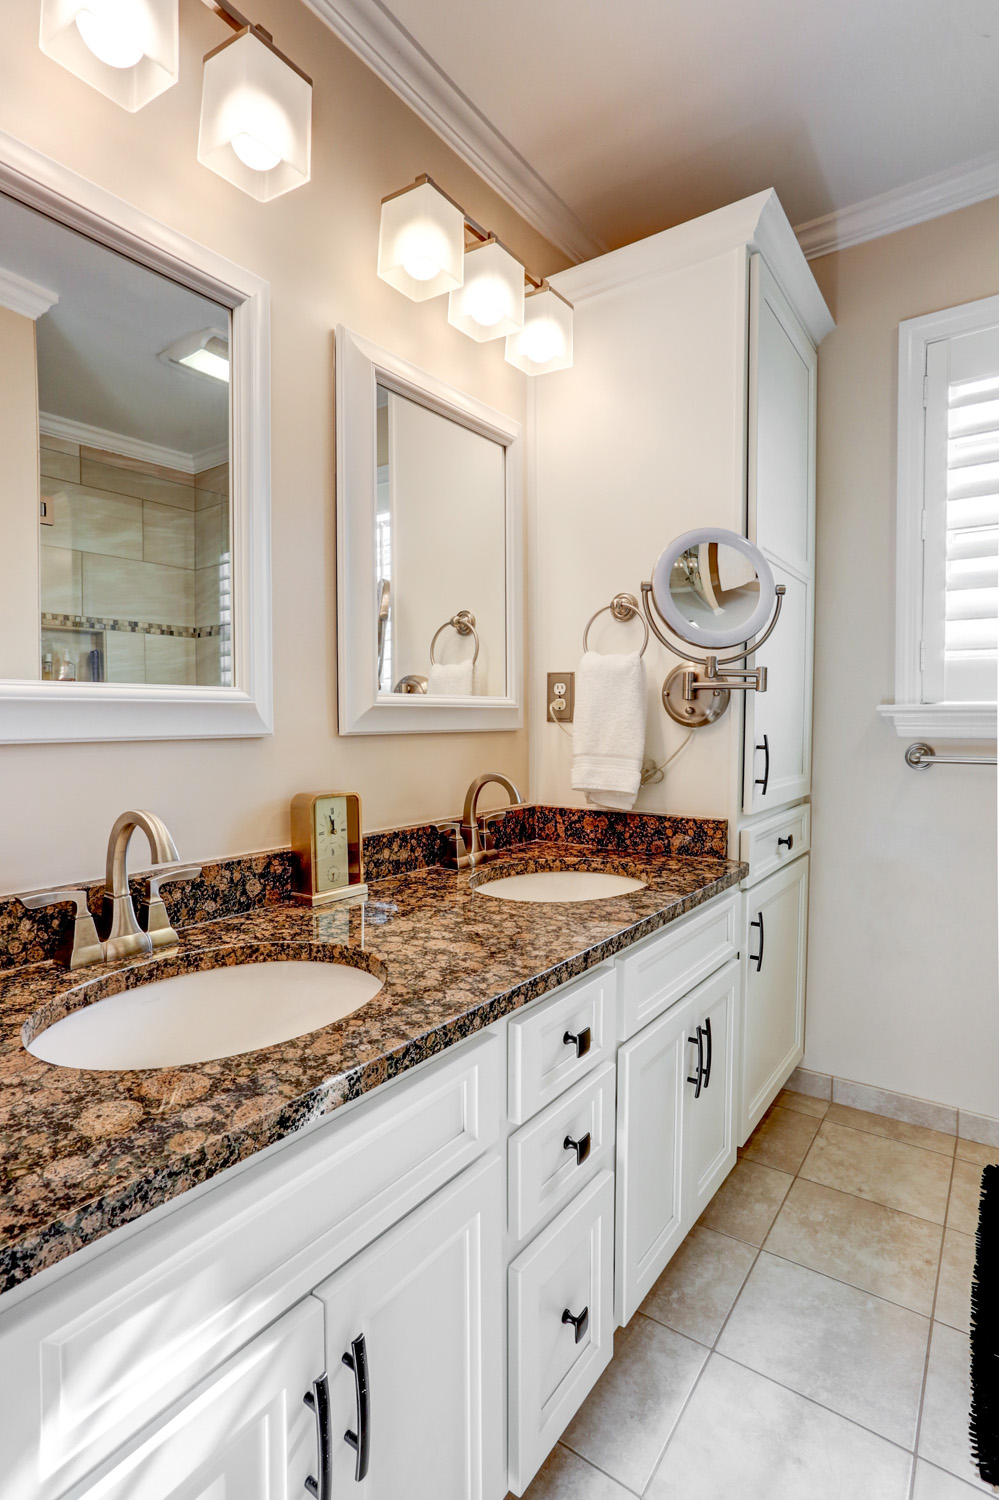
(944, 721)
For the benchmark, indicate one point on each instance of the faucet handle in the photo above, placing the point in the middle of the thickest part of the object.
(153, 913)
(85, 947)
(455, 829)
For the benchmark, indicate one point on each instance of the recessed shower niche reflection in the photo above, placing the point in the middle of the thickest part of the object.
(115, 504)
(440, 554)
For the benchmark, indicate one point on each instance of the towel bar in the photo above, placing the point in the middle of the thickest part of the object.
(464, 623)
(623, 607)
(921, 757)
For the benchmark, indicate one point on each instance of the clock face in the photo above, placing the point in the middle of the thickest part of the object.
(332, 865)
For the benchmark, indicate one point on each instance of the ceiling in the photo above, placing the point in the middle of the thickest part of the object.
(644, 113)
(98, 345)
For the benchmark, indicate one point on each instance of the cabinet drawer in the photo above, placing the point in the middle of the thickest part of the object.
(543, 1064)
(568, 1269)
(107, 1348)
(774, 841)
(545, 1170)
(656, 975)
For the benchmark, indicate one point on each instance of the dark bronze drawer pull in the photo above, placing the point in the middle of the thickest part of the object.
(579, 1321)
(581, 1147)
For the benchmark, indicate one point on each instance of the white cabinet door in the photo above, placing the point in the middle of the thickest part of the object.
(420, 1314)
(773, 1019)
(778, 724)
(247, 1436)
(649, 1222)
(561, 1325)
(782, 366)
(709, 1101)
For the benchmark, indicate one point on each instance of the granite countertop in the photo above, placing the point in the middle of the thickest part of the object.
(84, 1151)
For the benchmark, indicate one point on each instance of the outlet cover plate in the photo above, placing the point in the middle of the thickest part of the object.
(566, 680)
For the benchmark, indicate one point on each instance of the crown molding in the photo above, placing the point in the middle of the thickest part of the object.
(89, 436)
(379, 40)
(926, 198)
(25, 297)
(754, 223)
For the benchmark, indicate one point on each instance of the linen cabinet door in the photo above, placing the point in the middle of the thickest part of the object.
(649, 1220)
(773, 1017)
(777, 761)
(709, 1105)
(247, 1436)
(414, 1341)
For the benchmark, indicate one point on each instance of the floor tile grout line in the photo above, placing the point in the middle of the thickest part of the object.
(840, 1281)
(929, 1339)
(561, 1443)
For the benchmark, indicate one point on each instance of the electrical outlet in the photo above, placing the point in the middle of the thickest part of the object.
(561, 695)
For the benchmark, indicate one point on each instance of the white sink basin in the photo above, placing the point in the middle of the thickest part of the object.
(560, 885)
(192, 1018)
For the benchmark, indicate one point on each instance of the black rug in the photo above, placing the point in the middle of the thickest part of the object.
(985, 1332)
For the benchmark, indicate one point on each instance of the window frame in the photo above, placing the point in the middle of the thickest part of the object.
(910, 715)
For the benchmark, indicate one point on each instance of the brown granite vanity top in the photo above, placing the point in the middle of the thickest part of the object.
(84, 1151)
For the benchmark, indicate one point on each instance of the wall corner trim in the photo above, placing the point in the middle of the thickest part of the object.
(25, 297)
(389, 50)
(926, 198)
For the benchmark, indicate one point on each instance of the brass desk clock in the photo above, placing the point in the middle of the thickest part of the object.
(326, 842)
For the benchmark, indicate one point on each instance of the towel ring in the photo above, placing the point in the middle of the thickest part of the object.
(464, 623)
(623, 607)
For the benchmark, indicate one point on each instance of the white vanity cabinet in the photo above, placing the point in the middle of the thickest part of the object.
(419, 1317)
(248, 1433)
(675, 1130)
(775, 918)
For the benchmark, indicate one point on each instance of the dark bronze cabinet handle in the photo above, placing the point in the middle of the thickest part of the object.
(789, 841)
(757, 958)
(697, 1079)
(581, 1147)
(581, 1042)
(579, 1321)
(318, 1400)
(360, 1441)
(707, 1050)
(765, 781)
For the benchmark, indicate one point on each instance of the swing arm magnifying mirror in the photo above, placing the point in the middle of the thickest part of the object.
(714, 590)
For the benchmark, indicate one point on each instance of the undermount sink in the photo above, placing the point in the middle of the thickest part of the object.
(560, 885)
(202, 1013)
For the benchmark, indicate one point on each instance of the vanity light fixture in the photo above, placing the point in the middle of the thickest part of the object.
(128, 49)
(206, 351)
(256, 112)
(421, 241)
(423, 252)
(545, 341)
(490, 301)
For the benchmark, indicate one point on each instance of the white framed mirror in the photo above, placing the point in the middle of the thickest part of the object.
(713, 588)
(429, 571)
(135, 496)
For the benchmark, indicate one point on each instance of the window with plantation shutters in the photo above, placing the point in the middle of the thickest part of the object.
(947, 604)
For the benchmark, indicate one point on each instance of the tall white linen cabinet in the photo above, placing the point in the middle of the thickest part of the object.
(691, 402)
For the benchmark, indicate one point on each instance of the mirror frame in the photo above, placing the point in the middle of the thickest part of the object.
(360, 368)
(685, 630)
(33, 712)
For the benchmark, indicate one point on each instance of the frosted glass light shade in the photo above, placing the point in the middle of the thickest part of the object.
(256, 118)
(421, 242)
(490, 302)
(127, 49)
(545, 341)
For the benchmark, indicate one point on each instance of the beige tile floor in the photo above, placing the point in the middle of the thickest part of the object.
(809, 1340)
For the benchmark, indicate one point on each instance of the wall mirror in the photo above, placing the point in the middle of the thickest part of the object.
(134, 495)
(428, 551)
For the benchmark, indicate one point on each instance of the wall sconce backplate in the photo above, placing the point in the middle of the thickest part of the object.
(706, 707)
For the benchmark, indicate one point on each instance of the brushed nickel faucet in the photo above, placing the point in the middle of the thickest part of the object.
(123, 936)
(473, 842)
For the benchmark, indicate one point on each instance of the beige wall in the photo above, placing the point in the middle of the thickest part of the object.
(316, 247)
(18, 497)
(902, 988)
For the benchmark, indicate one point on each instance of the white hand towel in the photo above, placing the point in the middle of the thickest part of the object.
(608, 735)
(452, 679)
